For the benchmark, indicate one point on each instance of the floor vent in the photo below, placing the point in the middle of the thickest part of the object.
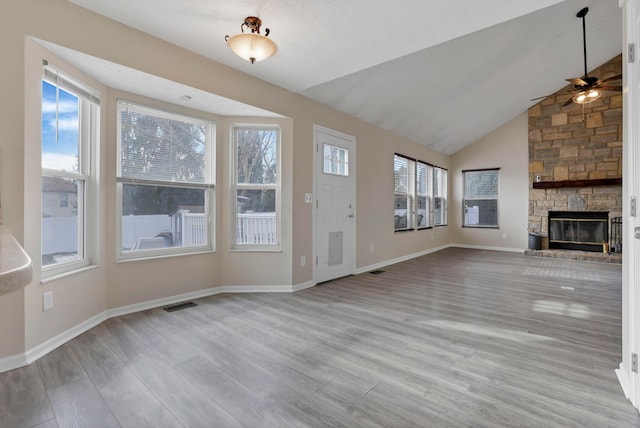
(376, 272)
(179, 306)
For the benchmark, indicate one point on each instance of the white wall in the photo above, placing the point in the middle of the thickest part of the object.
(505, 148)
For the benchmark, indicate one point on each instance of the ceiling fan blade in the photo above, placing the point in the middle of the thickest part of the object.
(608, 79)
(617, 88)
(568, 91)
(569, 101)
(577, 81)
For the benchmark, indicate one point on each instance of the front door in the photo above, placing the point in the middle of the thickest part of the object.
(334, 204)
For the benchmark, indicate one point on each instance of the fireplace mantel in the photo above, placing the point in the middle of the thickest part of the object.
(578, 183)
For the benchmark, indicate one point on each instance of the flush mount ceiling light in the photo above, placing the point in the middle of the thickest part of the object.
(251, 46)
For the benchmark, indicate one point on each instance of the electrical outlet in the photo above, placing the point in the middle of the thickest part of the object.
(303, 261)
(504, 236)
(47, 301)
(432, 237)
(371, 248)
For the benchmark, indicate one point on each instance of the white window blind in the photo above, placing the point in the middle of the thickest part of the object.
(404, 192)
(156, 145)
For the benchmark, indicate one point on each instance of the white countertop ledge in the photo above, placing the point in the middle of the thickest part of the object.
(15, 264)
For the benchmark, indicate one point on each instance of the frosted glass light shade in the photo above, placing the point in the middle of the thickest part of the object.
(587, 97)
(251, 46)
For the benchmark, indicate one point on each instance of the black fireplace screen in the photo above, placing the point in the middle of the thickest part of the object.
(578, 230)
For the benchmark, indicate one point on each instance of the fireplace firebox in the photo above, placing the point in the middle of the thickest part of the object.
(578, 230)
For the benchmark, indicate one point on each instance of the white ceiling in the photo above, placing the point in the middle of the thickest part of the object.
(443, 73)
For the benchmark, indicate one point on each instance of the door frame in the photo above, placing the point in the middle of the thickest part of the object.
(352, 179)
(629, 380)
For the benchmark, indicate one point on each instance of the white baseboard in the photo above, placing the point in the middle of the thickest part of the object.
(44, 348)
(13, 362)
(484, 247)
(303, 286)
(398, 260)
(156, 303)
(623, 378)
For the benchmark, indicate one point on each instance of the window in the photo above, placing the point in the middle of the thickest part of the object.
(481, 197)
(256, 186)
(403, 189)
(165, 182)
(336, 160)
(424, 195)
(413, 193)
(70, 128)
(440, 196)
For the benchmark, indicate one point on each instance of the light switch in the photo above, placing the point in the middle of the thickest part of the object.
(307, 198)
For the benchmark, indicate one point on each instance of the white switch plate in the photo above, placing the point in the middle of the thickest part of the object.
(307, 198)
(47, 301)
(303, 261)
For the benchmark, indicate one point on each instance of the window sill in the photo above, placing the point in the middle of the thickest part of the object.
(147, 256)
(256, 250)
(62, 275)
(479, 226)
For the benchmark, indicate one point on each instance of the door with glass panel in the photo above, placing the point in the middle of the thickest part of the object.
(334, 204)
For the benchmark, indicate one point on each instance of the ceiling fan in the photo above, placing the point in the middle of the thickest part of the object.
(588, 88)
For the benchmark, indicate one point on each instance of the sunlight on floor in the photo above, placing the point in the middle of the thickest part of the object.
(493, 332)
(575, 310)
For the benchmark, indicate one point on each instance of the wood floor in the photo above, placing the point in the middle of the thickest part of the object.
(458, 338)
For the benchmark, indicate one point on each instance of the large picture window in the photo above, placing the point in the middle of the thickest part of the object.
(165, 182)
(70, 129)
(256, 187)
(481, 197)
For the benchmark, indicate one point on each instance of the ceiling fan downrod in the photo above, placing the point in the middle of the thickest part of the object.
(582, 14)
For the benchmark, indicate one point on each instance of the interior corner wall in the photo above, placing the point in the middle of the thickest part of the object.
(505, 148)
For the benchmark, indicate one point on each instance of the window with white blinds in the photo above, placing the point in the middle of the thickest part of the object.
(424, 194)
(481, 192)
(165, 182)
(440, 177)
(404, 193)
(413, 193)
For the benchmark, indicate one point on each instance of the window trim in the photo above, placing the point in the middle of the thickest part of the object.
(89, 108)
(208, 185)
(235, 186)
(464, 199)
(445, 197)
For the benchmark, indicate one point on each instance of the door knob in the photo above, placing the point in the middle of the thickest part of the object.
(351, 216)
(637, 232)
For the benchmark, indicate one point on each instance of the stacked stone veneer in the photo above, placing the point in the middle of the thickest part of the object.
(569, 143)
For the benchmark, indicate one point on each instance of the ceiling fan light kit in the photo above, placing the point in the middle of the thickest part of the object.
(587, 97)
(251, 46)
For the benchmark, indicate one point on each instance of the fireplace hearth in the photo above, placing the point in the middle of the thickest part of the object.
(578, 230)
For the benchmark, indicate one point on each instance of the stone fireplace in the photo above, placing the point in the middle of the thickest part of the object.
(575, 166)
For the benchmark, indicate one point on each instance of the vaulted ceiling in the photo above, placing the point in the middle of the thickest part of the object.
(442, 73)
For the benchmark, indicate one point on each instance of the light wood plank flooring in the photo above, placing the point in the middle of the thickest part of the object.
(458, 338)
